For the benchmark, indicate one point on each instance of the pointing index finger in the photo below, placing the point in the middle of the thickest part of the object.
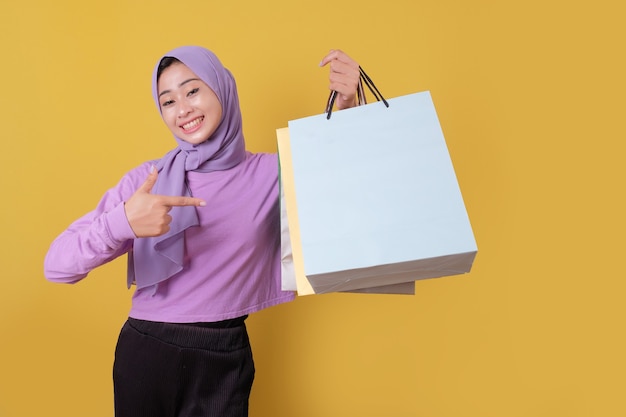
(172, 201)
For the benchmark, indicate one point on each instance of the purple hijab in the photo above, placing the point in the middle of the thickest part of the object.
(154, 260)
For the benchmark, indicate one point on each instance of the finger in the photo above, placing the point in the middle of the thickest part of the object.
(327, 58)
(343, 89)
(337, 55)
(343, 58)
(344, 83)
(146, 187)
(334, 54)
(346, 75)
(181, 201)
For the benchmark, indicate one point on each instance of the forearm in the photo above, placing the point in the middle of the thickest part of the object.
(91, 241)
(97, 237)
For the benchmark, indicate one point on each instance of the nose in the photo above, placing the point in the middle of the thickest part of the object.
(184, 108)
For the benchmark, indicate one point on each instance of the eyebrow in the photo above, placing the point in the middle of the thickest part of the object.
(179, 85)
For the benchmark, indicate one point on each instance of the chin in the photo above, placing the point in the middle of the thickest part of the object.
(193, 141)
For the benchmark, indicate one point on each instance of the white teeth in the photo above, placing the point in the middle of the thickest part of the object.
(193, 123)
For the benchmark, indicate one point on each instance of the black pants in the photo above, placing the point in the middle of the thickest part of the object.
(181, 370)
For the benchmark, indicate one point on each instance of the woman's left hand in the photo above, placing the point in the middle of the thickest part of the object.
(344, 77)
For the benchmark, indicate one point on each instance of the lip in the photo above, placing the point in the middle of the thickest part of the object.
(194, 127)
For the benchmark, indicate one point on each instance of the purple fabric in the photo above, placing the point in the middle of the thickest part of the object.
(232, 260)
(154, 260)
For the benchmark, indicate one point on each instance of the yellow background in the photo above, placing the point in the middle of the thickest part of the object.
(531, 98)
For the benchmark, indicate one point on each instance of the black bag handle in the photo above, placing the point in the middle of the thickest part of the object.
(363, 78)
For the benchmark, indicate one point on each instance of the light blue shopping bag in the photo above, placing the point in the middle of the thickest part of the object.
(378, 202)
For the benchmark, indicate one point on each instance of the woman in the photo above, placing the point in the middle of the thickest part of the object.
(202, 233)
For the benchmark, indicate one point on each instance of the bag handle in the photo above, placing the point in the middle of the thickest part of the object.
(360, 93)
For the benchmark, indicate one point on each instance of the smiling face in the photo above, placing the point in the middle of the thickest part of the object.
(189, 107)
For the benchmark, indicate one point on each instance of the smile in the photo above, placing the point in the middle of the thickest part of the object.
(192, 124)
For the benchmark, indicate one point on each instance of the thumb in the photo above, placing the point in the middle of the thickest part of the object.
(329, 57)
(146, 187)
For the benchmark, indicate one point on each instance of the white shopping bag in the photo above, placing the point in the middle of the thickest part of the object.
(372, 198)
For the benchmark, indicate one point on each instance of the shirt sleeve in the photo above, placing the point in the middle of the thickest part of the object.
(97, 237)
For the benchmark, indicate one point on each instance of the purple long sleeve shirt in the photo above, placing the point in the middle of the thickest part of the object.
(227, 272)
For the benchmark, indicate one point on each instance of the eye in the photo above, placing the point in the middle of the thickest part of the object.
(167, 103)
(193, 91)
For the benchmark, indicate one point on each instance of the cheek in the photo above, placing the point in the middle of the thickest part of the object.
(168, 117)
(218, 110)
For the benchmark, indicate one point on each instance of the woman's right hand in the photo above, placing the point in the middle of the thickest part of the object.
(148, 214)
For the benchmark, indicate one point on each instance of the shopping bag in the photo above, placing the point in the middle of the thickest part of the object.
(292, 279)
(376, 198)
